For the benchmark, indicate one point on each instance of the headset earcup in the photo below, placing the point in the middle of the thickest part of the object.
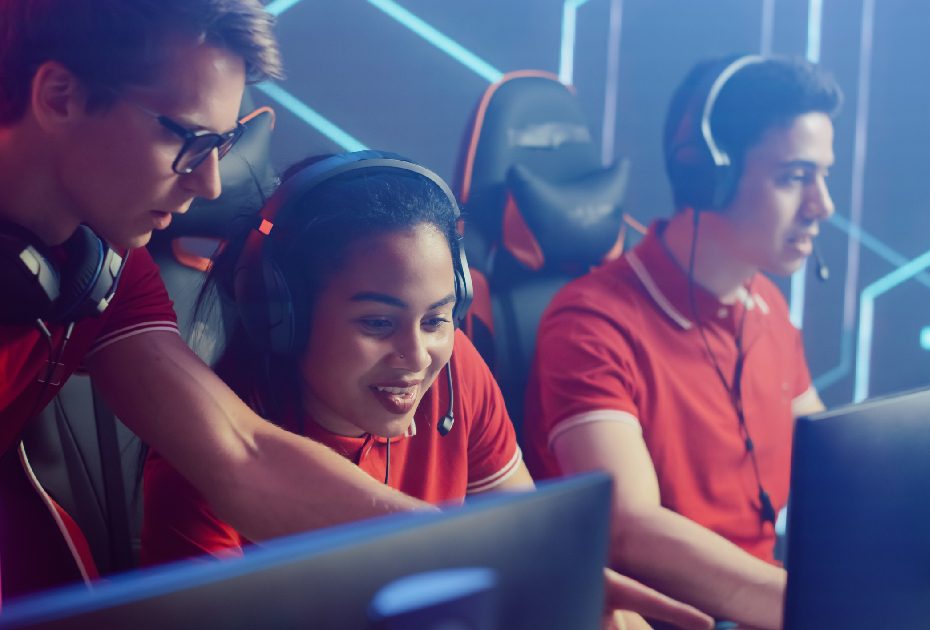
(28, 280)
(463, 290)
(726, 182)
(694, 175)
(84, 252)
(294, 289)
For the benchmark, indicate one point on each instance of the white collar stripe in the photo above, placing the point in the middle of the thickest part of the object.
(654, 291)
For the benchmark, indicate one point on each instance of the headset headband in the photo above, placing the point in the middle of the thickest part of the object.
(721, 158)
(273, 315)
(315, 174)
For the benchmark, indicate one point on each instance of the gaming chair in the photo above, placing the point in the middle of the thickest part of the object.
(84, 457)
(540, 210)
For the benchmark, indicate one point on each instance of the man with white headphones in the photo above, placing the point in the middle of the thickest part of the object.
(676, 367)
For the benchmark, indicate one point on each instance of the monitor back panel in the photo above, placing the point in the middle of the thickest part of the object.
(547, 547)
(859, 517)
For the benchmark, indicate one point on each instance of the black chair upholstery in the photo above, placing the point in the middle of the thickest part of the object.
(540, 211)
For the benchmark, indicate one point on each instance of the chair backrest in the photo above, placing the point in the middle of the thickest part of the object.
(85, 458)
(540, 210)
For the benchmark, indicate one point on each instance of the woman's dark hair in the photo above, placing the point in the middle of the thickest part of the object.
(334, 214)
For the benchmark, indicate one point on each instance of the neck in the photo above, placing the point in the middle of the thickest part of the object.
(30, 193)
(717, 265)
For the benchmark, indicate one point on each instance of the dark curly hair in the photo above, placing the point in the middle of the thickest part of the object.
(334, 214)
(759, 96)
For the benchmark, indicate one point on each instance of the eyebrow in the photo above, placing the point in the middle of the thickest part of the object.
(195, 127)
(801, 164)
(373, 296)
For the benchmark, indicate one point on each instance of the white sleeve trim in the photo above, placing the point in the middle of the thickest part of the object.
(640, 269)
(131, 331)
(497, 478)
(598, 415)
(805, 399)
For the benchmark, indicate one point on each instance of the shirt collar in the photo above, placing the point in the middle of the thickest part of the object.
(322, 435)
(667, 284)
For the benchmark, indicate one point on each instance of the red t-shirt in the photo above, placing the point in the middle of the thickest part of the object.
(30, 539)
(620, 345)
(479, 453)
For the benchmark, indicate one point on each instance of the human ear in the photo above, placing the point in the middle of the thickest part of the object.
(57, 97)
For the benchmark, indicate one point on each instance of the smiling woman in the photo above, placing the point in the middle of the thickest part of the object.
(346, 292)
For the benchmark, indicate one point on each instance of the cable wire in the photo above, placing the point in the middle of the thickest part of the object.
(767, 511)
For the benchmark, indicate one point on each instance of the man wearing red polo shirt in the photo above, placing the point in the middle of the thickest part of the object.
(676, 367)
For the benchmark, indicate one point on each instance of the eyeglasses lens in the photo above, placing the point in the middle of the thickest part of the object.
(200, 147)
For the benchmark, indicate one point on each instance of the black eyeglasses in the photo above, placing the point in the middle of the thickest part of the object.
(197, 144)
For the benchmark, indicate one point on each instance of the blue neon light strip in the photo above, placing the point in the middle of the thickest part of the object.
(838, 373)
(798, 286)
(567, 56)
(876, 246)
(925, 338)
(278, 7)
(814, 17)
(848, 338)
(867, 315)
(814, 14)
(612, 84)
(440, 41)
(312, 118)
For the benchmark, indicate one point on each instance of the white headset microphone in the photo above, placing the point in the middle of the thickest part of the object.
(823, 272)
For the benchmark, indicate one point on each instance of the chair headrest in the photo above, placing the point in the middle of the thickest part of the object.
(529, 118)
(574, 223)
(246, 174)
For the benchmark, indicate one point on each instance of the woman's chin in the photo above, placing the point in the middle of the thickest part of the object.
(393, 428)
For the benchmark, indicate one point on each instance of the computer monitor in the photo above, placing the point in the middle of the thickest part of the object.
(859, 517)
(548, 549)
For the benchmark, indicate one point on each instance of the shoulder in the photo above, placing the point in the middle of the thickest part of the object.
(609, 299)
(140, 304)
(468, 367)
(140, 278)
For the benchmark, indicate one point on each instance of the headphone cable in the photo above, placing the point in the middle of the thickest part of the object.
(735, 392)
(387, 466)
(53, 363)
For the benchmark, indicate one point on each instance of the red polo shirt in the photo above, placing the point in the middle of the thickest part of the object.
(478, 454)
(620, 345)
(40, 546)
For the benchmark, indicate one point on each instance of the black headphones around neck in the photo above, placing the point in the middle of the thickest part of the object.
(276, 318)
(36, 288)
(702, 172)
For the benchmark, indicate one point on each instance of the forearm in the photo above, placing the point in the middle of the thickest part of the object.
(262, 480)
(284, 484)
(690, 563)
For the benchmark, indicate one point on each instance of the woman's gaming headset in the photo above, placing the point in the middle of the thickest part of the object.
(275, 316)
(38, 289)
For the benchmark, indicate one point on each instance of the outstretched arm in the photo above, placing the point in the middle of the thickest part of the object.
(624, 596)
(261, 479)
(666, 550)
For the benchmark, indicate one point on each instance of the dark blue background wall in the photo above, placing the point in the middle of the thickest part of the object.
(361, 66)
